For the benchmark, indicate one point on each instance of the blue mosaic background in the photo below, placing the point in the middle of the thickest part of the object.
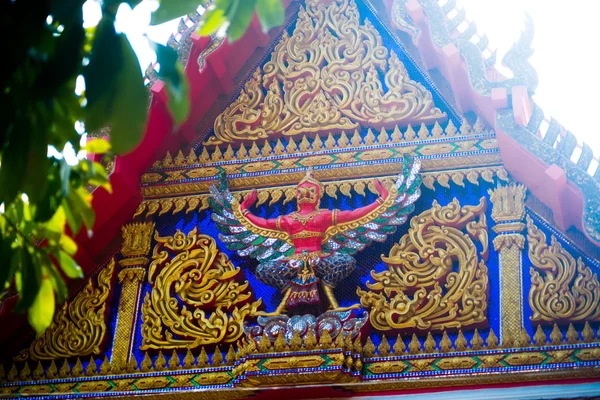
(369, 258)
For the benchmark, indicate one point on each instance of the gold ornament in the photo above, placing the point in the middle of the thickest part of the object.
(562, 288)
(303, 219)
(190, 278)
(509, 203)
(333, 189)
(325, 77)
(507, 212)
(79, 326)
(420, 288)
(136, 238)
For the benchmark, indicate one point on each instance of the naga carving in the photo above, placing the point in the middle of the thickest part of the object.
(434, 278)
(326, 77)
(562, 289)
(197, 295)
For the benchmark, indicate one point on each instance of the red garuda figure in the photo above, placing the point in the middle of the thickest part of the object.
(312, 247)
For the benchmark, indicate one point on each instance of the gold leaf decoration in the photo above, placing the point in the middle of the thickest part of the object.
(200, 202)
(197, 295)
(434, 279)
(79, 327)
(562, 289)
(137, 238)
(326, 77)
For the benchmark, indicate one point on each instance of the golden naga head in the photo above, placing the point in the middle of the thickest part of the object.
(309, 190)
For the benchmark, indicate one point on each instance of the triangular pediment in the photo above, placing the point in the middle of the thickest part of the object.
(336, 92)
(473, 284)
(332, 72)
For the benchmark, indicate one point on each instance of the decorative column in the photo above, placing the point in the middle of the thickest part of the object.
(508, 212)
(137, 238)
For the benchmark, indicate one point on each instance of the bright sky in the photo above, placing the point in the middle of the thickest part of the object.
(565, 54)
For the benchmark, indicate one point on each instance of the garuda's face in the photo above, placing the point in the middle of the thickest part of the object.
(308, 192)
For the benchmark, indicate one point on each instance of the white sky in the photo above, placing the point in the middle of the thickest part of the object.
(566, 54)
(565, 42)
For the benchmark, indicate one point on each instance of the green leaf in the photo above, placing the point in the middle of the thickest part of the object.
(167, 57)
(8, 261)
(178, 102)
(42, 310)
(81, 204)
(56, 225)
(240, 19)
(69, 266)
(68, 244)
(65, 175)
(38, 164)
(97, 146)
(122, 106)
(106, 61)
(270, 13)
(172, 73)
(30, 276)
(229, 6)
(99, 177)
(64, 63)
(50, 197)
(14, 162)
(128, 119)
(212, 19)
(73, 218)
(132, 3)
(171, 9)
(58, 283)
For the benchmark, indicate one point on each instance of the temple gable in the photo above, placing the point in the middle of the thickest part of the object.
(339, 225)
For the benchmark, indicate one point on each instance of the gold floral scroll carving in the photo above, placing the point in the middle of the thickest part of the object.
(79, 326)
(562, 289)
(326, 77)
(190, 280)
(436, 278)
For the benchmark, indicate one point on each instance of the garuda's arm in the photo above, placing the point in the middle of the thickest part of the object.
(343, 217)
(240, 233)
(376, 221)
(258, 221)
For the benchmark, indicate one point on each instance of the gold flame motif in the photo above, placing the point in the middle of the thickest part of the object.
(421, 288)
(191, 279)
(562, 289)
(326, 76)
(79, 326)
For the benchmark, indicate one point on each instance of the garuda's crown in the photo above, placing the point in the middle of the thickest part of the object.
(310, 177)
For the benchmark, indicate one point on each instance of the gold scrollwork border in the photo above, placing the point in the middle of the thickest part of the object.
(79, 327)
(248, 365)
(175, 205)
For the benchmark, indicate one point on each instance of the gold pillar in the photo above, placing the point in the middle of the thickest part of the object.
(136, 247)
(508, 212)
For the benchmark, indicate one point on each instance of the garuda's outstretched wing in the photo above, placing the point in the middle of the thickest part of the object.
(354, 236)
(241, 235)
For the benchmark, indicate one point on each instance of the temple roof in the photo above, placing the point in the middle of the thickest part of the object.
(467, 99)
(536, 154)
